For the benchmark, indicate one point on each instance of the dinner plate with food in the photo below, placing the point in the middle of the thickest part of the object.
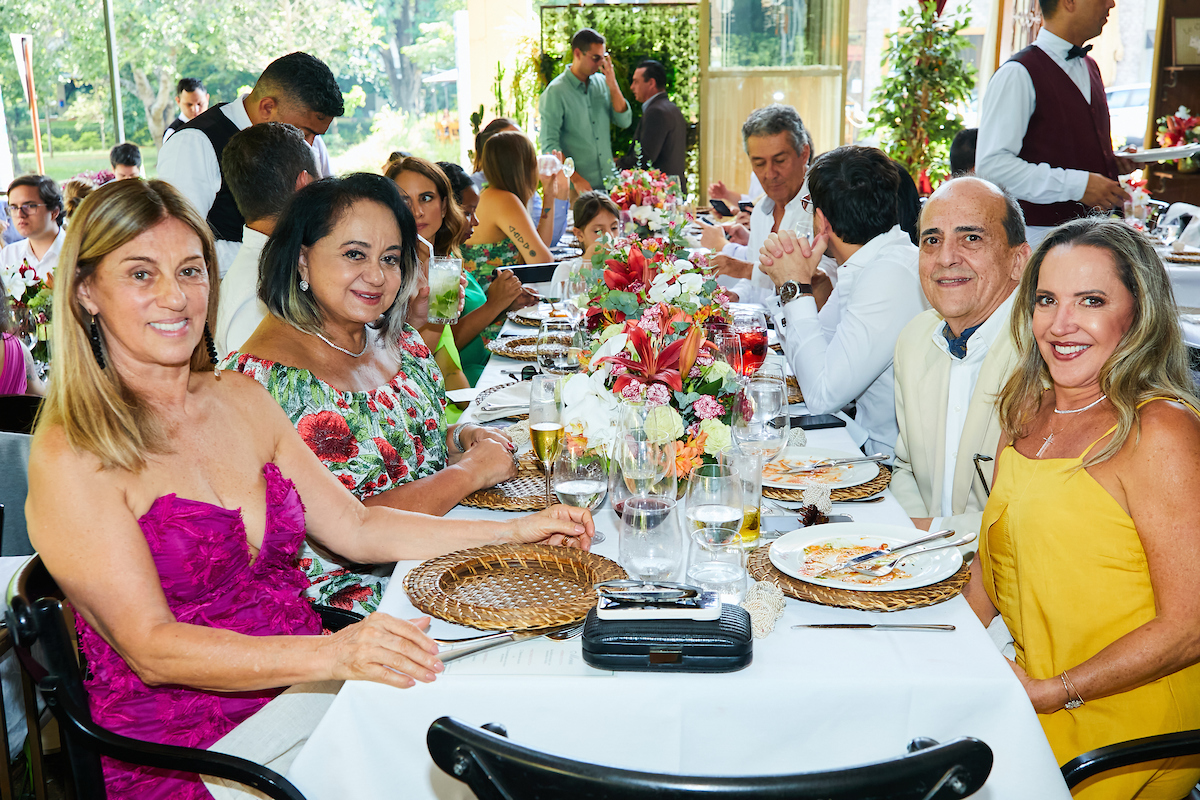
(808, 553)
(792, 469)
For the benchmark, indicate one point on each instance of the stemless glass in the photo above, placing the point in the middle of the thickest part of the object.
(545, 422)
(717, 563)
(579, 478)
(760, 417)
(558, 347)
(750, 325)
(714, 499)
(650, 545)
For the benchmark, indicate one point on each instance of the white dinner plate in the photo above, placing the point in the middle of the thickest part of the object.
(538, 313)
(834, 477)
(787, 554)
(1160, 153)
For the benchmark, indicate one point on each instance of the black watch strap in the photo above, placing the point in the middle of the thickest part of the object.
(790, 290)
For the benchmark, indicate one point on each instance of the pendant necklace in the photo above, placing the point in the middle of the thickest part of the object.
(1047, 441)
(359, 354)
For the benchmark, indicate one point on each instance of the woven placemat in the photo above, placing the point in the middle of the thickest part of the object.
(483, 396)
(510, 586)
(761, 569)
(873, 486)
(517, 319)
(520, 348)
(526, 492)
(1183, 258)
(794, 393)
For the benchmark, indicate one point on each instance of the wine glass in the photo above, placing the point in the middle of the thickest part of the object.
(650, 546)
(729, 345)
(714, 499)
(558, 347)
(645, 457)
(568, 167)
(579, 478)
(760, 417)
(750, 325)
(545, 422)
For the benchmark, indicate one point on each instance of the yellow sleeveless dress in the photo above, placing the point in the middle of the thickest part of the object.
(1064, 565)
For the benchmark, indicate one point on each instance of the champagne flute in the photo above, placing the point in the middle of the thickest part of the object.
(760, 418)
(545, 422)
(750, 324)
(579, 478)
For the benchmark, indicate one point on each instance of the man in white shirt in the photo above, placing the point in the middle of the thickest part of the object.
(843, 352)
(779, 147)
(264, 165)
(1044, 132)
(36, 206)
(297, 89)
(192, 99)
(952, 360)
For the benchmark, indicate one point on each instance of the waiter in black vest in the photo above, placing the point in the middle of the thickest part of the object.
(297, 89)
(1044, 133)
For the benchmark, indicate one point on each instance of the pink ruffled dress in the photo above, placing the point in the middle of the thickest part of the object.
(204, 563)
(12, 377)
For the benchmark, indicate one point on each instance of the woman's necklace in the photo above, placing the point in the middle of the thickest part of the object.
(1046, 442)
(359, 354)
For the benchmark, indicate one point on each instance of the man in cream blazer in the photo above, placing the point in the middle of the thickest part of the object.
(952, 361)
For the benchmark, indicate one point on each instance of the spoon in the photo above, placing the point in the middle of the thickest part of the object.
(886, 569)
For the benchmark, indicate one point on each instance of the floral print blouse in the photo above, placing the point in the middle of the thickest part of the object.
(482, 260)
(372, 441)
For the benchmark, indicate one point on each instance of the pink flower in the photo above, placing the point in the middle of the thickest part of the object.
(634, 390)
(693, 429)
(658, 395)
(694, 372)
(705, 358)
(708, 407)
(650, 324)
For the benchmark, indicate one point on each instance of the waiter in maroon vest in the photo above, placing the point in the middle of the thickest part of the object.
(1044, 132)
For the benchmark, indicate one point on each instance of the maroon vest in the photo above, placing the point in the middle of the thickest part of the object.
(1064, 131)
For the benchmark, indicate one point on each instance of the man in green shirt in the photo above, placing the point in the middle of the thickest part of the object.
(577, 109)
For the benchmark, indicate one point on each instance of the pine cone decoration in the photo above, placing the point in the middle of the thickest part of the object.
(811, 515)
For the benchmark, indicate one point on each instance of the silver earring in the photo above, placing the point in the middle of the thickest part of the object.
(303, 285)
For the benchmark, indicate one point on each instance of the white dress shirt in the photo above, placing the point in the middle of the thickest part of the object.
(964, 374)
(758, 288)
(877, 293)
(170, 131)
(12, 255)
(240, 310)
(1008, 105)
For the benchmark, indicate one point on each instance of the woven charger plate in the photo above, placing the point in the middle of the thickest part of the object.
(1183, 258)
(510, 586)
(794, 394)
(761, 568)
(873, 486)
(525, 321)
(482, 396)
(526, 492)
(520, 348)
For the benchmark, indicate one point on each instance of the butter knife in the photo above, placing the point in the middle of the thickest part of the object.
(891, 627)
(874, 554)
(835, 462)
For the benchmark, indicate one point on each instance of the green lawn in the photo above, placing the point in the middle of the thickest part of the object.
(62, 166)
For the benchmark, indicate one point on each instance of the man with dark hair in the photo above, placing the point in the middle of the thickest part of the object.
(662, 130)
(36, 206)
(1044, 132)
(126, 161)
(297, 89)
(962, 152)
(843, 351)
(578, 108)
(952, 360)
(192, 99)
(264, 166)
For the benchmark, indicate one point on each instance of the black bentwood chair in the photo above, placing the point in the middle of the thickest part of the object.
(38, 626)
(496, 769)
(1135, 751)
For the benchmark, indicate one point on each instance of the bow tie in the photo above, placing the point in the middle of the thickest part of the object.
(1077, 52)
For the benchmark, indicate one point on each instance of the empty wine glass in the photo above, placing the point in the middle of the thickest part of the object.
(760, 417)
(650, 545)
(558, 347)
(579, 478)
(750, 324)
(646, 457)
(545, 422)
(568, 167)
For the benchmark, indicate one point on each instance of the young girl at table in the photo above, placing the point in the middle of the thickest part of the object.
(596, 216)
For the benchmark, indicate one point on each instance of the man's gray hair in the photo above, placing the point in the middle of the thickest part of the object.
(777, 118)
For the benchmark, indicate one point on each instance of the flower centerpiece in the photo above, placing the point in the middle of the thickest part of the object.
(1179, 129)
(649, 200)
(32, 295)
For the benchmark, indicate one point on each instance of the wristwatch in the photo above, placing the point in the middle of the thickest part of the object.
(790, 290)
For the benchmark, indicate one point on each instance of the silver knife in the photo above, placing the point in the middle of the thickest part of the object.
(874, 554)
(835, 462)
(850, 626)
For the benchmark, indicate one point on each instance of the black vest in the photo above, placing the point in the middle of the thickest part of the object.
(174, 126)
(224, 218)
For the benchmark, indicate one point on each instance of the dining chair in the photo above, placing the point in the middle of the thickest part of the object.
(496, 769)
(1134, 751)
(17, 412)
(37, 623)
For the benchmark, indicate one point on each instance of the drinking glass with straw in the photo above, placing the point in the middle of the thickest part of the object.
(545, 423)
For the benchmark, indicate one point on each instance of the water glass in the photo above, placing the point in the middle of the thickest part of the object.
(444, 289)
(714, 499)
(650, 545)
(579, 478)
(559, 345)
(760, 417)
(749, 469)
(717, 563)
(548, 165)
(646, 460)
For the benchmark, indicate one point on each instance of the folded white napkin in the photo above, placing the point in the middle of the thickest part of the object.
(512, 399)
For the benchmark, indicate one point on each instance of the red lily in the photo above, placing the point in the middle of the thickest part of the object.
(653, 365)
(619, 276)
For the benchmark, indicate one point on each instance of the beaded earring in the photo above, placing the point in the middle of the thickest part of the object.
(212, 351)
(94, 335)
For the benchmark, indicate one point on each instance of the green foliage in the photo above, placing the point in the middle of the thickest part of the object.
(917, 104)
(433, 50)
(394, 130)
(666, 33)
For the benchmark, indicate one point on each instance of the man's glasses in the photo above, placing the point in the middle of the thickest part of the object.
(596, 59)
(27, 209)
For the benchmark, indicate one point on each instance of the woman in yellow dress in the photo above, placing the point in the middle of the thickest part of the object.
(1091, 538)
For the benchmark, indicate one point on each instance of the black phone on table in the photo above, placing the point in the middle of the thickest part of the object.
(816, 422)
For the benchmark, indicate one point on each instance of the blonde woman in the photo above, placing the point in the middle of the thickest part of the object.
(178, 545)
(1091, 535)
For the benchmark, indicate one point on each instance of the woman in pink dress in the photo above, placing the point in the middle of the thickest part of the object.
(18, 372)
(165, 499)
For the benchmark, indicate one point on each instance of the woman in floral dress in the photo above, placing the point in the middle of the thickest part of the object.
(358, 383)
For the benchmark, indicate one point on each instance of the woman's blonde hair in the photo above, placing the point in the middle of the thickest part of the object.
(98, 411)
(453, 232)
(510, 164)
(1150, 360)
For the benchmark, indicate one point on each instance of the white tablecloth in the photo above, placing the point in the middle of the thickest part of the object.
(811, 699)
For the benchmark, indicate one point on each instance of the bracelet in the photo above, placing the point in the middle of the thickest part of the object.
(1069, 688)
(458, 438)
